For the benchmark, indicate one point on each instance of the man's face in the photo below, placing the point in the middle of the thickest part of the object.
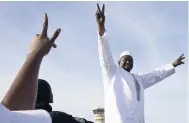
(126, 62)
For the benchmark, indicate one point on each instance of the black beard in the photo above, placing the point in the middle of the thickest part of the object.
(127, 69)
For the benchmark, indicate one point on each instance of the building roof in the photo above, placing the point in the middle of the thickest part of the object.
(98, 110)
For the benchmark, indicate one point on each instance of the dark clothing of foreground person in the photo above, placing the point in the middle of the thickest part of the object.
(44, 97)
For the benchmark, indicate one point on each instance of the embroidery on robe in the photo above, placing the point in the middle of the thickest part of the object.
(137, 88)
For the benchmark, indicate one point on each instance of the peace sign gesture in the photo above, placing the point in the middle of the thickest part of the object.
(100, 18)
(41, 44)
(178, 61)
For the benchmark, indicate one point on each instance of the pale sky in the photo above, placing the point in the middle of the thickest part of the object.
(154, 32)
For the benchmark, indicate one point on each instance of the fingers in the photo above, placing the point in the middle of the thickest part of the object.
(54, 45)
(182, 62)
(44, 31)
(181, 56)
(45, 26)
(103, 8)
(55, 35)
(98, 14)
(98, 7)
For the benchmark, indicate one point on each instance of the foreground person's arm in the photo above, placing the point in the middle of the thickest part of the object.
(22, 93)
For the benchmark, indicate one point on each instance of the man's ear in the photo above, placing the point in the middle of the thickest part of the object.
(119, 62)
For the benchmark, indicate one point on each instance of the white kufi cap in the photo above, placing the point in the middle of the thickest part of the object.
(124, 53)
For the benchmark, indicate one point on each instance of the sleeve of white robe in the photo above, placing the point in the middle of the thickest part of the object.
(27, 116)
(105, 56)
(151, 78)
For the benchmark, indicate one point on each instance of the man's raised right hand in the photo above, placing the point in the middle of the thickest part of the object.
(100, 19)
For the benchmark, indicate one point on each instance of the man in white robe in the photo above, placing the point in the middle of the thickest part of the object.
(124, 91)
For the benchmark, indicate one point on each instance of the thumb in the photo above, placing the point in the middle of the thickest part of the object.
(55, 35)
(54, 45)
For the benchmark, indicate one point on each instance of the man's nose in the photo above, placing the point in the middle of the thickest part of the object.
(127, 61)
